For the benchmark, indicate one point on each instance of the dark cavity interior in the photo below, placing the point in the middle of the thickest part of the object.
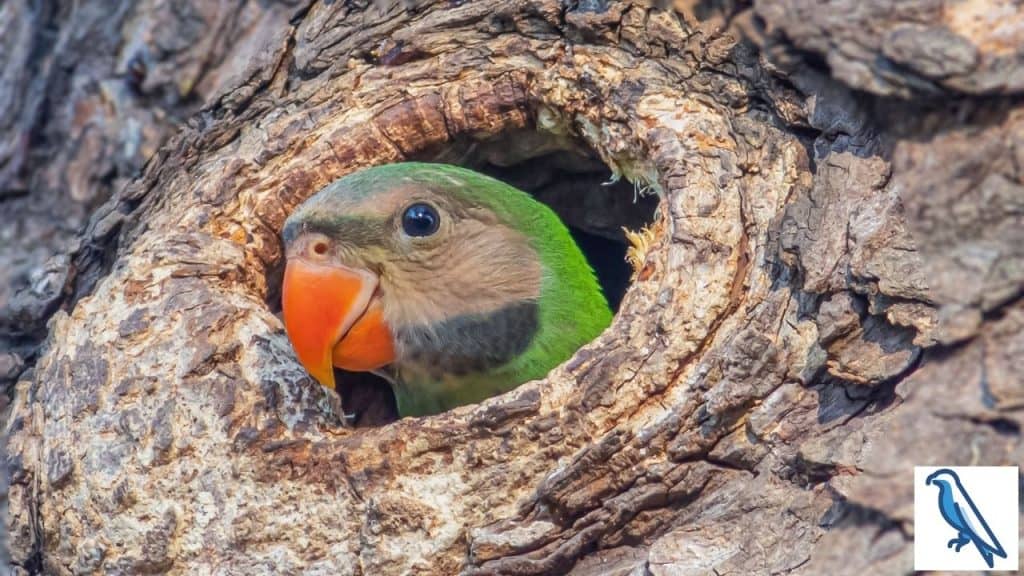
(570, 179)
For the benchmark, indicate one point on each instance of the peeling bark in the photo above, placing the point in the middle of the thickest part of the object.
(822, 262)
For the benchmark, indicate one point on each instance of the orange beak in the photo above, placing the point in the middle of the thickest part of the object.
(332, 319)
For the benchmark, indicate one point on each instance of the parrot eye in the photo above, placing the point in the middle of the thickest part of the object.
(420, 220)
(315, 245)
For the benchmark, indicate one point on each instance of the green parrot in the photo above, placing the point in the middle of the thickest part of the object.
(450, 284)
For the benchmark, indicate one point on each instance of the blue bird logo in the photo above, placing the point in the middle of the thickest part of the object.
(958, 510)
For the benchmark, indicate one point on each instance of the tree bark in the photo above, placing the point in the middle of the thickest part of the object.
(830, 292)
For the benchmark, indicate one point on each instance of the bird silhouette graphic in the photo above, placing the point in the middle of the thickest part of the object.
(958, 510)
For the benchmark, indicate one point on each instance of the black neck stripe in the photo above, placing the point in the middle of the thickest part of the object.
(472, 342)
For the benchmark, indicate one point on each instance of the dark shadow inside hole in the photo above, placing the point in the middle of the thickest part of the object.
(366, 397)
(575, 183)
(608, 259)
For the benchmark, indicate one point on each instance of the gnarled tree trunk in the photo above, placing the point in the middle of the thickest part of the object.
(830, 290)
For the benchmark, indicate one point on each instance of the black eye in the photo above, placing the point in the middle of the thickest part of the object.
(420, 220)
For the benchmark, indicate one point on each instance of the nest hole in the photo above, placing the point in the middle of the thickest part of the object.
(574, 182)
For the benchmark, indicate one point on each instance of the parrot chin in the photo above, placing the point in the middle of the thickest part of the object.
(333, 317)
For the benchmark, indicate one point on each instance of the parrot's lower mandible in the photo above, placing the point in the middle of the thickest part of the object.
(452, 285)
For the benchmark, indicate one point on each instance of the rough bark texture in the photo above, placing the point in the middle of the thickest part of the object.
(89, 91)
(832, 291)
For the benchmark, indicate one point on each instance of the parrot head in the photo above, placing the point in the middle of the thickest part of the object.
(422, 267)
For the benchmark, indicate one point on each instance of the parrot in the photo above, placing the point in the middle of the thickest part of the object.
(451, 285)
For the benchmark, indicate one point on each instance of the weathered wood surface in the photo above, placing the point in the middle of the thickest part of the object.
(833, 294)
(89, 91)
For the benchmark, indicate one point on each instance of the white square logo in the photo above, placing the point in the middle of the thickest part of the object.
(966, 517)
